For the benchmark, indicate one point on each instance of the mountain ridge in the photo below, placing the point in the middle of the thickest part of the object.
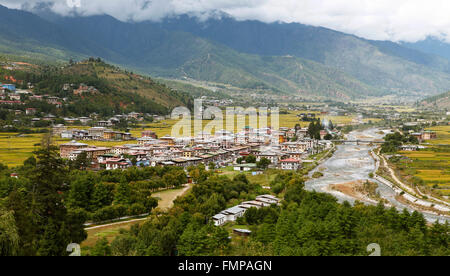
(275, 58)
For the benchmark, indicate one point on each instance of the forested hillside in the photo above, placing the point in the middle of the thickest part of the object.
(306, 224)
(117, 90)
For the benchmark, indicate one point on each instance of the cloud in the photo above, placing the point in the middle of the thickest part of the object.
(398, 20)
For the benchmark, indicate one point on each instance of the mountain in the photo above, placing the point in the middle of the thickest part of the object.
(441, 102)
(267, 58)
(382, 64)
(432, 46)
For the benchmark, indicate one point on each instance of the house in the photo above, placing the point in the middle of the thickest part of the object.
(58, 129)
(35, 98)
(429, 135)
(233, 213)
(30, 111)
(290, 164)
(97, 131)
(68, 148)
(14, 97)
(219, 219)
(11, 102)
(271, 156)
(103, 123)
(83, 88)
(117, 163)
(242, 232)
(10, 87)
(244, 167)
(49, 117)
(66, 135)
(149, 133)
(109, 135)
(145, 140)
(268, 199)
(84, 120)
(52, 100)
(409, 147)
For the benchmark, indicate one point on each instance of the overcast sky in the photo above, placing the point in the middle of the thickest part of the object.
(396, 20)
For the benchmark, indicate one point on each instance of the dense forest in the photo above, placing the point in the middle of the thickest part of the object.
(307, 223)
(44, 209)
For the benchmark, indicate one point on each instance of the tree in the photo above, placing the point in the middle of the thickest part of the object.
(9, 234)
(101, 248)
(53, 233)
(263, 163)
(80, 193)
(122, 193)
(193, 241)
(123, 246)
(82, 162)
(250, 159)
(251, 216)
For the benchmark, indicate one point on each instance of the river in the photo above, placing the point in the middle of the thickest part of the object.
(351, 163)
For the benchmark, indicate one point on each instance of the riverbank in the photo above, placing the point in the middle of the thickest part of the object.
(354, 163)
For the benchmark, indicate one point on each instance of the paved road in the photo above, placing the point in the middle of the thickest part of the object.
(167, 205)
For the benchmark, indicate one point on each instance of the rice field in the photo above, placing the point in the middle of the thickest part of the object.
(15, 148)
(443, 135)
(433, 165)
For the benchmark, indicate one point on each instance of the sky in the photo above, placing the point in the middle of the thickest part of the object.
(395, 20)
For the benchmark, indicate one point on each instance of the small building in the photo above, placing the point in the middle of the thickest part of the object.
(233, 213)
(30, 111)
(149, 133)
(290, 164)
(429, 135)
(242, 232)
(68, 148)
(219, 219)
(245, 167)
(10, 87)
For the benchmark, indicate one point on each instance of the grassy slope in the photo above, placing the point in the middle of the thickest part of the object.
(441, 101)
(125, 81)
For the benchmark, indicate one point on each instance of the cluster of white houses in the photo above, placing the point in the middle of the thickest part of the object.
(222, 149)
(91, 134)
(233, 213)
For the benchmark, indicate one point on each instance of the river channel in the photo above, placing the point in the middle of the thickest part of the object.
(352, 162)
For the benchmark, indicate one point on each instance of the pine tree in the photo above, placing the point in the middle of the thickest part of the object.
(9, 234)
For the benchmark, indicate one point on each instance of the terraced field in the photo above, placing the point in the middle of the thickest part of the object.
(431, 166)
(15, 148)
(443, 133)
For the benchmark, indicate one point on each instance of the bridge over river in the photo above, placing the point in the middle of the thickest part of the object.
(359, 141)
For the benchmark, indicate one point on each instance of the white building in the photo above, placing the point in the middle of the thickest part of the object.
(290, 164)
